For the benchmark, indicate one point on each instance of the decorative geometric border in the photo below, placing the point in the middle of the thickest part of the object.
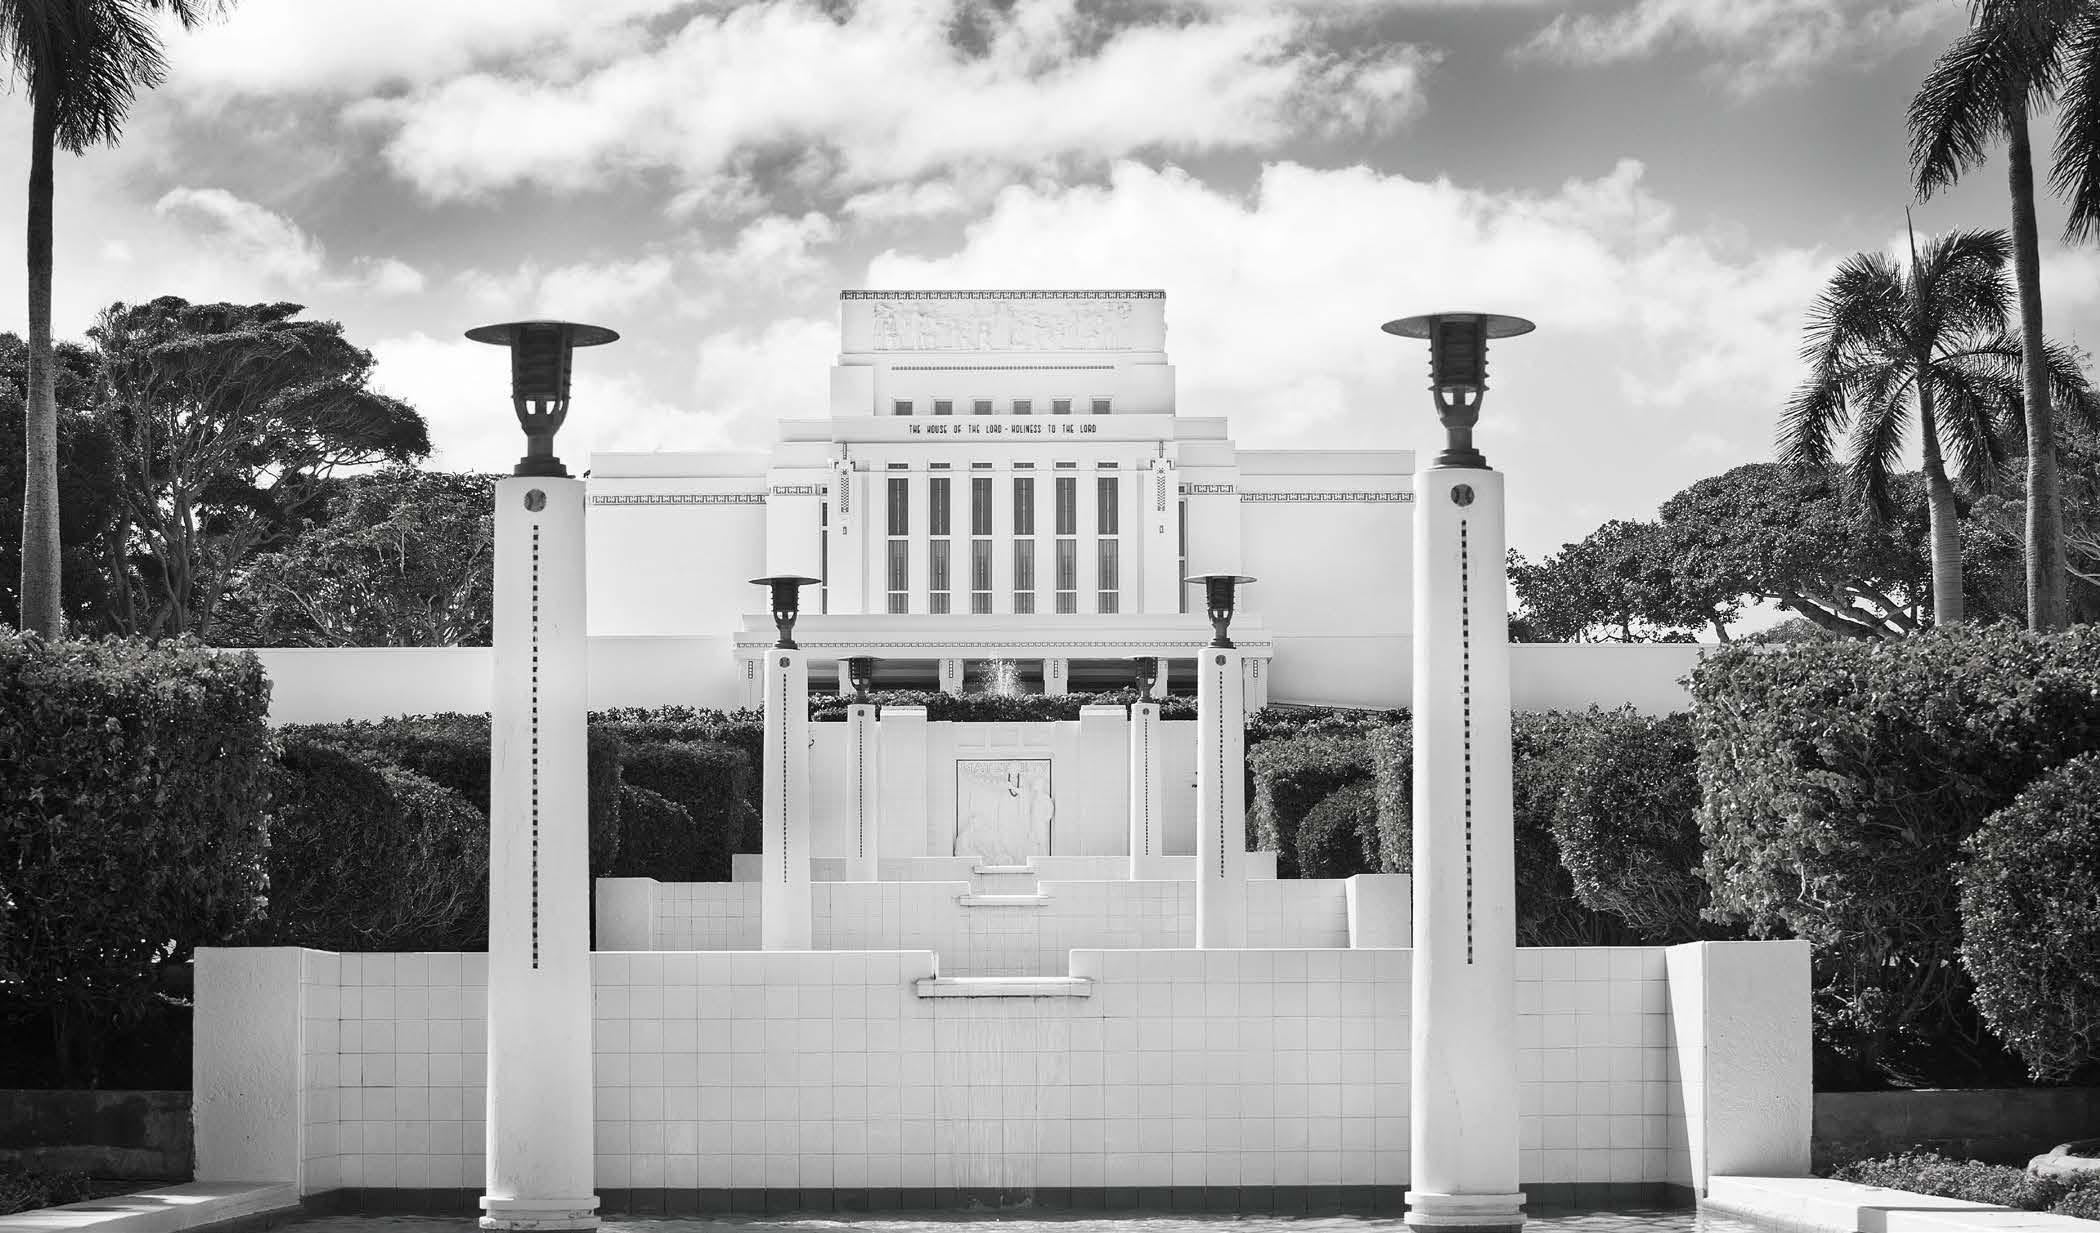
(1003, 295)
(1403, 498)
(678, 498)
(797, 490)
(1208, 490)
(1002, 368)
(886, 643)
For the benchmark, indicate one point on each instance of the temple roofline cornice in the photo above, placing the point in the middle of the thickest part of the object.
(1138, 294)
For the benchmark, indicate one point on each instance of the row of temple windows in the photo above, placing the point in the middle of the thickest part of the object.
(983, 406)
(1065, 544)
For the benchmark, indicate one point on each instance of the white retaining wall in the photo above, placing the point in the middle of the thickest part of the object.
(1184, 1067)
(643, 914)
(326, 684)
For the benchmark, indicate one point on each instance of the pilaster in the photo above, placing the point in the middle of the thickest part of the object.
(784, 895)
(1148, 790)
(1221, 800)
(863, 762)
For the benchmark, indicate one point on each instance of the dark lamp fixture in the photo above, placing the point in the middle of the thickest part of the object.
(1458, 346)
(1219, 600)
(1146, 670)
(787, 604)
(539, 381)
(860, 672)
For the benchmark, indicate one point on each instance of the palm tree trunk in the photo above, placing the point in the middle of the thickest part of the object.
(2047, 593)
(1942, 518)
(40, 552)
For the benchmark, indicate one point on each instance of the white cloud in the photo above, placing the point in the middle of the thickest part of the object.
(1754, 43)
(1647, 331)
(463, 390)
(753, 377)
(266, 246)
(357, 47)
(881, 94)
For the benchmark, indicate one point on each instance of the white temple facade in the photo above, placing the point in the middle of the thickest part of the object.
(1007, 476)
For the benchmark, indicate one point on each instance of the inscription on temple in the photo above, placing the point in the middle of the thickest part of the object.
(1002, 325)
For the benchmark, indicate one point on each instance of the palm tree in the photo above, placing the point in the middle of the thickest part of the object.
(2019, 54)
(83, 62)
(1884, 338)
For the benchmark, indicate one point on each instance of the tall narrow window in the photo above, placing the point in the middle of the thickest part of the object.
(1183, 571)
(898, 575)
(1024, 543)
(1107, 561)
(1067, 497)
(937, 584)
(980, 544)
(823, 556)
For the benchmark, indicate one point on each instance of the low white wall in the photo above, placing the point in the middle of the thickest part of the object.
(642, 914)
(321, 685)
(812, 1070)
(1567, 676)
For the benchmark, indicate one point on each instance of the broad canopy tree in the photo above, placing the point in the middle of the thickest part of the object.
(227, 420)
(1617, 584)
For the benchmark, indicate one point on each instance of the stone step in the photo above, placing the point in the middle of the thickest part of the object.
(1003, 901)
(1004, 987)
(1003, 880)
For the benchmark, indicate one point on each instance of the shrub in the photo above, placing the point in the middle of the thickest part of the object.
(1280, 720)
(744, 730)
(24, 1191)
(1548, 913)
(2082, 1201)
(1339, 836)
(453, 750)
(710, 784)
(657, 838)
(2030, 919)
(1291, 775)
(132, 824)
(1625, 819)
(1969, 1180)
(1839, 782)
(365, 856)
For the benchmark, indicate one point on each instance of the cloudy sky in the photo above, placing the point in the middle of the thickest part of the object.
(1662, 184)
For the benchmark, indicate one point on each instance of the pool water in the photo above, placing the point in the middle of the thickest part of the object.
(1636, 1220)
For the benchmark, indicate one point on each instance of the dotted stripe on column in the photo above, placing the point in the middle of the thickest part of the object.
(535, 764)
(860, 780)
(1145, 783)
(1221, 765)
(1465, 707)
(785, 782)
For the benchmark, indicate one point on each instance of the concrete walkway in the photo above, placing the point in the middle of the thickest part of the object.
(168, 1209)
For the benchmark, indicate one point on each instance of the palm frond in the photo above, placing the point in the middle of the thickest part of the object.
(1959, 109)
(1875, 447)
(2075, 171)
(1973, 405)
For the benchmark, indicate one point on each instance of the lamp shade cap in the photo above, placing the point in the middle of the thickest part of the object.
(1242, 579)
(1498, 325)
(506, 333)
(800, 580)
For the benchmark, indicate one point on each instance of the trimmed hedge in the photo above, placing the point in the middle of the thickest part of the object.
(1625, 819)
(2030, 919)
(1840, 781)
(744, 730)
(709, 783)
(132, 824)
(1933, 1174)
(366, 856)
(1339, 836)
(1293, 773)
(657, 838)
(453, 750)
(22, 1190)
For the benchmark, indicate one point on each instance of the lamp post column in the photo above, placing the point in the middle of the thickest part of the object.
(1148, 775)
(784, 895)
(1463, 1159)
(863, 762)
(1221, 800)
(540, 1159)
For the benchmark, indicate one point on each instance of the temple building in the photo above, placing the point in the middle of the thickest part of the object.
(1006, 477)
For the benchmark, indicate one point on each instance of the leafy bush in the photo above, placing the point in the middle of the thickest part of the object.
(453, 750)
(1548, 913)
(1271, 722)
(2030, 919)
(1339, 836)
(742, 729)
(657, 838)
(1840, 780)
(132, 824)
(1969, 1180)
(710, 784)
(2082, 1201)
(25, 1191)
(365, 856)
(1291, 775)
(1625, 820)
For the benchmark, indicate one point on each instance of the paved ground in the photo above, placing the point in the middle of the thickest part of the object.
(1631, 1221)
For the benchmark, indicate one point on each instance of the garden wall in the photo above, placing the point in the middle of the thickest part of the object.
(2001, 1125)
(329, 684)
(788, 1073)
(101, 1134)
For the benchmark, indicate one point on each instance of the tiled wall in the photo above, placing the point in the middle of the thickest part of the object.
(984, 941)
(815, 1070)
